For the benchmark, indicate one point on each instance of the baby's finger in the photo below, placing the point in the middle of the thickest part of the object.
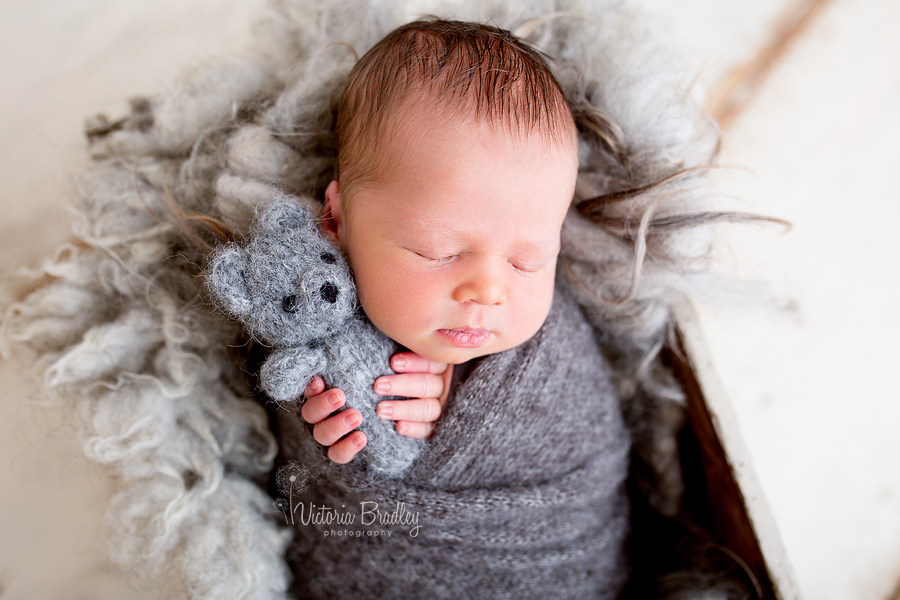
(410, 362)
(316, 386)
(343, 451)
(321, 405)
(411, 429)
(410, 385)
(423, 410)
(334, 428)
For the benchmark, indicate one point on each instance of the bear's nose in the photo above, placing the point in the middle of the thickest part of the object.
(290, 303)
(329, 293)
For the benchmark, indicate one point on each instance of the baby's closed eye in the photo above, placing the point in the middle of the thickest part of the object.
(532, 262)
(526, 268)
(437, 258)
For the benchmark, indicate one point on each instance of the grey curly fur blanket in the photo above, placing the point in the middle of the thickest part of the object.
(519, 493)
(160, 380)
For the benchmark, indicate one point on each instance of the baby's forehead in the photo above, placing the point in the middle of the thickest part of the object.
(454, 173)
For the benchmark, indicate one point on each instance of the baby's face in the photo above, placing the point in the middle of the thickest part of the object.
(454, 248)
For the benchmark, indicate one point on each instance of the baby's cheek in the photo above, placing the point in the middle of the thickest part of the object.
(396, 310)
(534, 305)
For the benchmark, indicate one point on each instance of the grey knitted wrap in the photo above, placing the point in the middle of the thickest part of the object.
(519, 493)
(294, 291)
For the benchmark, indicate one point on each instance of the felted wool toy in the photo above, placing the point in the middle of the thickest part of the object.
(294, 291)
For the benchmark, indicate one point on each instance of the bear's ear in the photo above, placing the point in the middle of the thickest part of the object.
(286, 214)
(227, 279)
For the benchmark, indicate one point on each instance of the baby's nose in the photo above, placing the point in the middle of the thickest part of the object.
(329, 292)
(484, 284)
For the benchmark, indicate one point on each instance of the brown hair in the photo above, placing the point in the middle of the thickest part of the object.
(471, 68)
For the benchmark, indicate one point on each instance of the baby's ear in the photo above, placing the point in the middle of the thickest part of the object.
(333, 215)
(286, 214)
(227, 279)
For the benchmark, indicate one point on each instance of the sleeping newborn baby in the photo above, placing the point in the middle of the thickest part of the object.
(458, 157)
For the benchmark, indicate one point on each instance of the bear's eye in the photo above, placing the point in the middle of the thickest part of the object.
(290, 304)
(329, 258)
(329, 293)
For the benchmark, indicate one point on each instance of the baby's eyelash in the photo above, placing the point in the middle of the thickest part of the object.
(443, 260)
(439, 260)
(526, 269)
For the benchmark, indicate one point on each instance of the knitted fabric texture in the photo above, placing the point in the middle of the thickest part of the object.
(294, 290)
(127, 340)
(519, 494)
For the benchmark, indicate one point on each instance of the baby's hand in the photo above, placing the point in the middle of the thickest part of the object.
(426, 382)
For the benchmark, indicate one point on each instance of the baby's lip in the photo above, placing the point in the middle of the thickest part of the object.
(465, 337)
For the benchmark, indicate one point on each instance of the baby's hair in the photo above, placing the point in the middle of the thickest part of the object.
(470, 69)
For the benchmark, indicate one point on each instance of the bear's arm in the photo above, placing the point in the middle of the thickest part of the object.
(287, 371)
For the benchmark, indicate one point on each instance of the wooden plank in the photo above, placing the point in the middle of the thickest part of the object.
(740, 513)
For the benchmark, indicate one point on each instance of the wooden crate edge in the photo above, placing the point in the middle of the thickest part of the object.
(722, 420)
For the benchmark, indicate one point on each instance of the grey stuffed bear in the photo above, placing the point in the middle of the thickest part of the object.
(293, 290)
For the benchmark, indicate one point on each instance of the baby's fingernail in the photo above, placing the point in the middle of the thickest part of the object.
(382, 386)
(384, 410)
(358, 441)
(402, 427)
(334, 399)
(351, 420)
(399, 361)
